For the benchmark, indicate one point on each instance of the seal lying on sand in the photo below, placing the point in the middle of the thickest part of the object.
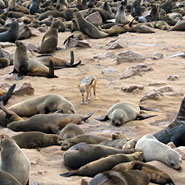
(154, 150)
(175, 131)
(13, 160)
(123, 112)
(83, 153)
(43, 105)
(47, 123)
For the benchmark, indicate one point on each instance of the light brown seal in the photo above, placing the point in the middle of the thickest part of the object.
(154, 150)
(43, 105)
(24, 65)
(13, 160)
(35, 140)
(47, 123)
(83, 153)
(69, 131)
(106, 163)
(123, 112)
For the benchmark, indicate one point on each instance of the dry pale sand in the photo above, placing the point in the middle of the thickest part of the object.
(47, 164)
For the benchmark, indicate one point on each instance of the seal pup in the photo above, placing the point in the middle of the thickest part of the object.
(69, 131)
(50, 39)
(13, 160)
(43, 105)
(85, 86)
(7, 179)
(4, 97)
(36, 140)
(47, 123)
(11, 35)
(104, 164)
(83, 153)
(87, 138)
(112, 177)
(123, 112)
(24, 65)
(88, 28)
(155, 175)
(154, 150)
(120, 16)
(175, 131)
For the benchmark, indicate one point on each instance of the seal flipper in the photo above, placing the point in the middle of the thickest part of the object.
(54, 130)
(147, 109)
(141, 117)
(72, 58)
(8, 94)
(88, 116)
(22, 71)
(14, 71)
(102, 118)
(51, 70)
(68, 174)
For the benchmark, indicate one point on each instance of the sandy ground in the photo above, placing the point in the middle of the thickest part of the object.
(47, 164)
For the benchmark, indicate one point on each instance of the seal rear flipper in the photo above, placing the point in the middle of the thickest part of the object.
(45, 55)
(141, 117)
(74, 65)
(147, 109)
(8, 94)
(51, 70)
(68, 174)
(88, 116)
(102, 118)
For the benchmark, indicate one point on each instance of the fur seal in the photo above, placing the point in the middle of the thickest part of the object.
(141, 29)
(179, 27)
(154, 150)
(57, 62)
(175, 131)
(112, 177)
(123, 112)
(35, 140)
(43, 105)
(13, 160)
(88, 28)
(50, 39)
(104, 164)
(120, 16)
(136, 8)
(87, 138)
(34, 7)
(24, 33)
(24, 65)
(47, 123)
(7, 179)
(11, 35)
(83, 153)
(155, 175)
(69, 131)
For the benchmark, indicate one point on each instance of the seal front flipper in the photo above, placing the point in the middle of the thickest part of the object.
(51, 70)
(54, 130)
(147, 109)
(68, 174)
(72, 58)
(88, 116)
(102, 118)
(141, 117)
(8, 94)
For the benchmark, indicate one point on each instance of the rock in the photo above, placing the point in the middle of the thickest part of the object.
(129, 56)
(165, 89)
(177, 54)
(4, 85)
(117, 44)
(24, 89)
(151, 95)
(6, 44)
(95, 18)
(129, 72)
(108, 70)
(108, 54)
(132, 88)
(173, 77)
(10, 76)
(156, 84)
(85, 180)
(157, 56)
(72, 43)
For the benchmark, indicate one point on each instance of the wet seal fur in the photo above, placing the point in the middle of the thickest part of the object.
(69, 131)
(175, 131)
(123, 112)
(112, 177)
(35, 140)
(83, 153)
(11, 35)
(13, 160)
(47, 123)
(154, 150)
(106, 163)
(24, 65)
(43, 105)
